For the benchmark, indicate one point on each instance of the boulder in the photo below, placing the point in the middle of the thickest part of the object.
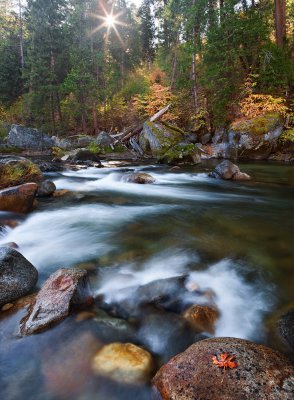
(202, 318)
(140, 178)
(63, 289)
(255, 138)
(286, 327)
(50, 166)
(18, 170)
(86, 155)
(262, 373)
(29, 139)
(17, 275)
(62, 143)
(104, 139)
(18, 199)
(227, 170)
(156, 138)
(46, 189)
(124, 363)
(206, 138)
(84, 141)
(182, 153)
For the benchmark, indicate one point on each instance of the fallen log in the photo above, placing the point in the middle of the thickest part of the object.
(133, 131)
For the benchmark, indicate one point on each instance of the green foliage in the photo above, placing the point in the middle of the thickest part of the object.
(287, 136)
(94, 148)
(259, 125)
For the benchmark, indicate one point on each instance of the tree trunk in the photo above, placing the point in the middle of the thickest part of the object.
(280, 22)
(194, 75)
(21, 35)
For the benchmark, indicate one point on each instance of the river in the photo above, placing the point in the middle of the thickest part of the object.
(234, 239)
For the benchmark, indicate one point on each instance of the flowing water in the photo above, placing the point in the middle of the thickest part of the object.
(231, 239)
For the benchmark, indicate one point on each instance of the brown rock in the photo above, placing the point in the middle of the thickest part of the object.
(64, 288)
(12, 245)
(140, 178)
(262, 373)
(123, 362)
(202, 318)
(18, 199)
(241, 176)
(67, 368)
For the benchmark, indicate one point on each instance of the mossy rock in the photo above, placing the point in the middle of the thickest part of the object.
(157, 138)
(18, 170)
(287, 136)
(259, 125)
(181, 153)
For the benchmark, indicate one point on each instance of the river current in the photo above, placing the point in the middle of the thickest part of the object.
(234, 239)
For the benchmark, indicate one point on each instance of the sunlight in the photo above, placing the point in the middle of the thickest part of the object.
(109, 21)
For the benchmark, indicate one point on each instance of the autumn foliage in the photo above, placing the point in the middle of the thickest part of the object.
(225, 361)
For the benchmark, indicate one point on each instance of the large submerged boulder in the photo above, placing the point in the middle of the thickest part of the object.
(29, 139)
(19, 199)
(261, 373)
(66, 287)
(18, 170)
(17, 275)
(123, 362)
(140, 178)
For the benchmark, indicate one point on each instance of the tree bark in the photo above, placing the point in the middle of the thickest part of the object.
(21, 35)
(280, 22)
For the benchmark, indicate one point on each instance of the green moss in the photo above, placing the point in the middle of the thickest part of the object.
(57, 152)
(166, 136)
(188, 153)
(259, 125)
(18, 172)
(94, 148)
(10, 150)
(287, 136)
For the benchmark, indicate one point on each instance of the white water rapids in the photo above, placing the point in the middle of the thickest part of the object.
(70, 235)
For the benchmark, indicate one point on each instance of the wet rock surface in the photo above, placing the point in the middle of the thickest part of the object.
(123, 362)
(46, 189)
(202, 318)
(286, 328)
(17, 275)
(140, 178)
(261, 373)
(227, 170)
(63, 289)
(18, 199)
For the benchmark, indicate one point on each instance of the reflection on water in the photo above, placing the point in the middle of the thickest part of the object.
(233, 239)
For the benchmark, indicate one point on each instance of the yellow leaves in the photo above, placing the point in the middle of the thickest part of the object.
(255, 105)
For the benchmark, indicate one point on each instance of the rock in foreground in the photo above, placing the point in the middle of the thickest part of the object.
(66, 287)
(17, 275)
(227, 170)
(46, 189)
(123, 362)
(261, 373)
(286, 328)
(19, 199)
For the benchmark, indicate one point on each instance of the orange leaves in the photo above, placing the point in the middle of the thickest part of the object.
(225, 361)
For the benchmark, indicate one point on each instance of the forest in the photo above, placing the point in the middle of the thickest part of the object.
(82, 66)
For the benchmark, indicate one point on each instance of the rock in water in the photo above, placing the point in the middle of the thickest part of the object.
(19, 199)
(104, 139)
(140, 178)
(18, 170)
(261, 373)
(64, 288)
(29, 139)
(202, 318)
(227, 170)
(17, 275)
(286, 327)
(46, 189)
(123, 362)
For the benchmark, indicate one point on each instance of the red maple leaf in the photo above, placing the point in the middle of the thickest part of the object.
(226, 361)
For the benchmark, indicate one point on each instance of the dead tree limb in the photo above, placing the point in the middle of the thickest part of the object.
(134, 131)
